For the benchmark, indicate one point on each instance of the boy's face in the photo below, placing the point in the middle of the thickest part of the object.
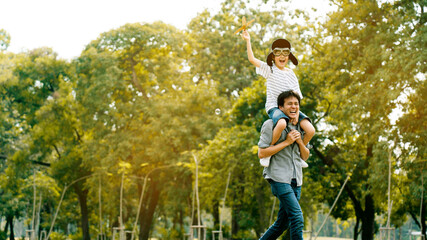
(290, 107)
(281, 61)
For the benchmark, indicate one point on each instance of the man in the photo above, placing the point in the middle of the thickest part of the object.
(284, 172)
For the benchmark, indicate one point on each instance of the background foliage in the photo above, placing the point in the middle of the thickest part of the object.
(125, 119)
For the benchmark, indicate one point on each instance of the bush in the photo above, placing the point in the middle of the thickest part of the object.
(57, 236)
(2, 235)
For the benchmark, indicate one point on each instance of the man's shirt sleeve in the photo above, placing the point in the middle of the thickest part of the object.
(266, 134)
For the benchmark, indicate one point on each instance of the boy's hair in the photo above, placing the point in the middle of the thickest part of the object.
(284, 95)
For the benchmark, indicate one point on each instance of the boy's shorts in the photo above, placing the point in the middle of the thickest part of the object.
(276, 114)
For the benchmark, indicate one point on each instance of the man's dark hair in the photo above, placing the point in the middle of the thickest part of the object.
(284, 95)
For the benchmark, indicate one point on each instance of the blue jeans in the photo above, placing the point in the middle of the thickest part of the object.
(290, 214)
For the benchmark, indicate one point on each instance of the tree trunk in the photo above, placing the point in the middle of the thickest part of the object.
(423, 220)
(235, 227)
(6, 226)
(9, 219)
(178, 222)
(357, 209)
(263, 212)
(181, 223)
(236, 208)
(84, 213)
(147, 211)
(368, 220)
(415, 219)
(215, 213)
(356, 229)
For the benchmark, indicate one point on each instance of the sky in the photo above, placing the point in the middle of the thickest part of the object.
(67, 26)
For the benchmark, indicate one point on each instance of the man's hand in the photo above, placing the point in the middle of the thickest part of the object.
(299, 139)
(293, 136)
(304, 152)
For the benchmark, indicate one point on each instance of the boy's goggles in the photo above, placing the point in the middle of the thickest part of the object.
(281, 51)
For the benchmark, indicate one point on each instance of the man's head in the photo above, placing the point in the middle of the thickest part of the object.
(288, 102)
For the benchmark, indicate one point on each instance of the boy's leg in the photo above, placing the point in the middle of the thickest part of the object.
(308, 129)
(279, 123)
(278, 129)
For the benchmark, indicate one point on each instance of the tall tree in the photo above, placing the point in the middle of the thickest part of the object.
(27, 80)
(361, 64)
(412, 143)
(155, 112)
(58, 138)
(410, 131)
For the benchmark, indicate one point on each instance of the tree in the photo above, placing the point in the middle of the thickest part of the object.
(58, 138)
(232, 152)
(12, 195)
(154, 111)
(412, 129)
(4, 40)
(26, 82)
(358, 59)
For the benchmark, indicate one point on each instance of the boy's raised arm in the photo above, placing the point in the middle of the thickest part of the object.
(256, 62)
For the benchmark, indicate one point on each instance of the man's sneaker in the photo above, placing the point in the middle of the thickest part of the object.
(265, 162)
(303, 164)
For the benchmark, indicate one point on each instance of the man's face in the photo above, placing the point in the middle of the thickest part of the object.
(290, 107)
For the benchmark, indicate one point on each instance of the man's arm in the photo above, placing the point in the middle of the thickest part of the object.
(304, 151)
(269, 151)
(256, 62)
